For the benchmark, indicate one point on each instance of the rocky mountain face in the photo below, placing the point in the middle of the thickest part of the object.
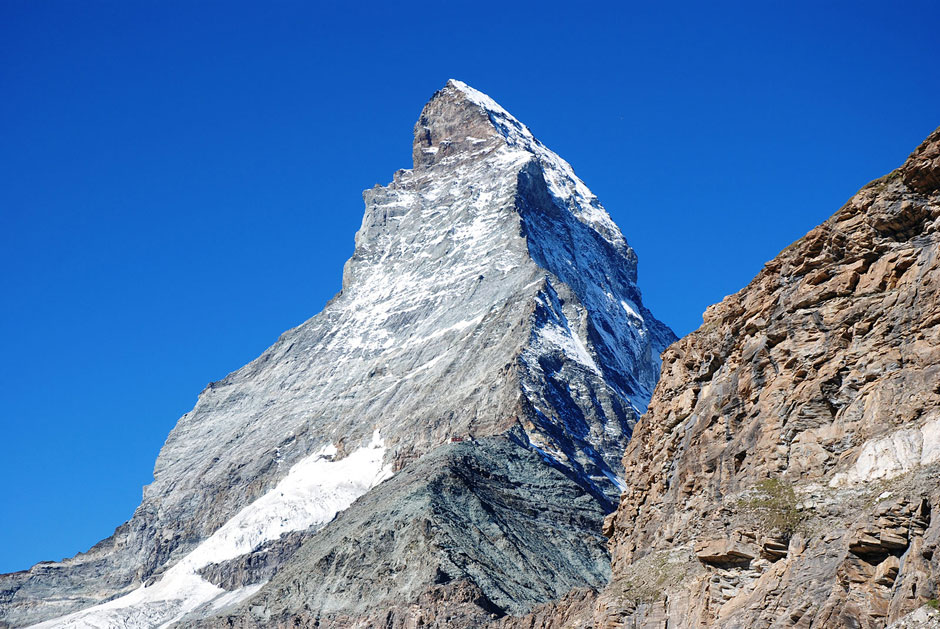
(463, 404)
(787, 472)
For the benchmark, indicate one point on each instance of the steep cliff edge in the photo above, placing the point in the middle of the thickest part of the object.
(787, 472)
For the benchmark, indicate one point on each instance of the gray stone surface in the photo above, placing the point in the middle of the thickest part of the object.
(257, 566)
(488, 515)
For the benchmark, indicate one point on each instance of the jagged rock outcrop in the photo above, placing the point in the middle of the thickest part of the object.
(489, 296)
(787, 472)
(470, 532)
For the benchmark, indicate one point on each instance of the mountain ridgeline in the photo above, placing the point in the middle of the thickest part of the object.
(438, 446)
(456, 439)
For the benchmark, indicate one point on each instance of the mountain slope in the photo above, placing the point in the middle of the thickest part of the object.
(488, 294)
(471, 531)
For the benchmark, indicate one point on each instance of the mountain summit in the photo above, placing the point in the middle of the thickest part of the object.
(462, 405)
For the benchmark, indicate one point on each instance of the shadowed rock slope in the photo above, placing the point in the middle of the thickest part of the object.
(470, 532)
(787, 472)
(489, 294)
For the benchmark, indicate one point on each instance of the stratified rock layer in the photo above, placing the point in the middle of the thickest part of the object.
(489, 294)
(787, 472)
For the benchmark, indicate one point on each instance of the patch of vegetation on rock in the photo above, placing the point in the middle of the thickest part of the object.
(647, 580)
(773, 505)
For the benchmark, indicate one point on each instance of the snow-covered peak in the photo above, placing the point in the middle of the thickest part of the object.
(449, 130)
(488, 294)
(479, 98)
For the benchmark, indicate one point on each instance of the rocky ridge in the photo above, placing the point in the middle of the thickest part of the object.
(786, 472)
(489, 296)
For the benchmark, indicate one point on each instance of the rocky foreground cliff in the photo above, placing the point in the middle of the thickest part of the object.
(787, 472)
(439, 445)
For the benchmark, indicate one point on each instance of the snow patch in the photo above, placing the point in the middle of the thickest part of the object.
(315, 489)
(631, 309)
(566, 340)
(234, 597)
(616, 480)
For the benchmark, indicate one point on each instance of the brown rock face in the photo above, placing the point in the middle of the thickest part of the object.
(787, 472)
(448, 127)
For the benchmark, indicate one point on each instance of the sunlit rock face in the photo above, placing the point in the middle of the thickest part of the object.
(787, 472)
(488, 356)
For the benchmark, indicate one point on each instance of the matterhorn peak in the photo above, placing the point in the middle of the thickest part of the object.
(481, 370)
(460, 123)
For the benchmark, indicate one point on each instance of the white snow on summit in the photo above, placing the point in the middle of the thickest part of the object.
(560, 176)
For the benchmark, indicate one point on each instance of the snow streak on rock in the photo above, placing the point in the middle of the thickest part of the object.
(314, 490)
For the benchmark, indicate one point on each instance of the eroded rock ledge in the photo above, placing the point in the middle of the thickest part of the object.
(787, 472)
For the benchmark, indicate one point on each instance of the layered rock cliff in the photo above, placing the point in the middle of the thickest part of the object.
(487, 358)
(787, 472)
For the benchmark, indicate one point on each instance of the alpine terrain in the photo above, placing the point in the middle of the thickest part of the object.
(787, 473)
(439, 446)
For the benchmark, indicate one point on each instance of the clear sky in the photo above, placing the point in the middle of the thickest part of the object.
(180, 181)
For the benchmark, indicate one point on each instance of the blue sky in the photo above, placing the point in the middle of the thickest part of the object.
(180, 182)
